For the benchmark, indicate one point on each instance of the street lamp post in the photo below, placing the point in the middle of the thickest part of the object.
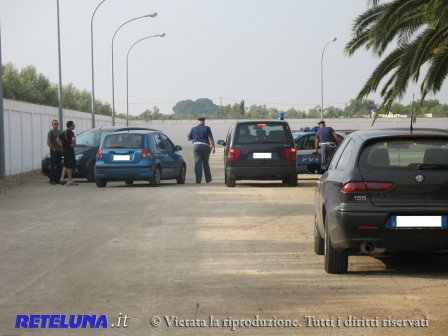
(322, 79)
(60, 92)
(93, 71)
(127, 72)
(113, 80)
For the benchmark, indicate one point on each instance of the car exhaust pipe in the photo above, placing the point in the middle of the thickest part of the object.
(368, 247)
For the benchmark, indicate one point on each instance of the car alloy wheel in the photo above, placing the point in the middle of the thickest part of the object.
(319, 242)
(335, 262)
(155, 179)
(181, 178)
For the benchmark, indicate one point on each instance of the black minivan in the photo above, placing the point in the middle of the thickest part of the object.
(259, 150)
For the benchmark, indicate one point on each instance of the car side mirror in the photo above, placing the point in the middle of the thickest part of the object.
(221, 142)
(177, 148)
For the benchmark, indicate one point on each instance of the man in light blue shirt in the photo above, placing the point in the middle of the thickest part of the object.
(203, 144)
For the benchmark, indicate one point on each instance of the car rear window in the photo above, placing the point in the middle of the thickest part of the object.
(418, 153)
(127, 140)
(264, 132)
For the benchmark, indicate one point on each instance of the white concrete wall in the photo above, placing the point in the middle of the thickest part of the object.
(27, 125)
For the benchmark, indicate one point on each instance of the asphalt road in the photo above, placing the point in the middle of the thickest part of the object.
(199, 259)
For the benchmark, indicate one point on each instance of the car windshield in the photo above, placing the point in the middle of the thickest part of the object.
(418, 153)
(91, 138)
(127, 140)
(261, 132)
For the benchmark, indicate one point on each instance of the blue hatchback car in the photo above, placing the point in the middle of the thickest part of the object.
(138, 156)
(308, 161)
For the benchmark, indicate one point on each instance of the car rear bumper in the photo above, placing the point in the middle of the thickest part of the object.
(124, 173)
(261, 172)
(351, 230)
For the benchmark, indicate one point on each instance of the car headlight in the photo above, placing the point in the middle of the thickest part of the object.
(79, 156)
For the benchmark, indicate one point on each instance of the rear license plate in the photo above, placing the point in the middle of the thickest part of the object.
(121, 157)
(398, 222)
(262, 155)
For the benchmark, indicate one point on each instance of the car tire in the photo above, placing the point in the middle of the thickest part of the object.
(100, 183)
(335, 262)
(230, 180)
(91, 172)
(319, 242)
(181, 177)
(292, 181)
(154, 181)
(129, 182)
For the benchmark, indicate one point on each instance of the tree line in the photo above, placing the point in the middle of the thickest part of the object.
(30, 86)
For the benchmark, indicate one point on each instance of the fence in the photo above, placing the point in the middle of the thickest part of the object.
(27, 125)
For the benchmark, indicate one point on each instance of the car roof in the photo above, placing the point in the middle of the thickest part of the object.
(301, 134)
(390, 132)
(135, 131)
(120, 128)
(260, 121)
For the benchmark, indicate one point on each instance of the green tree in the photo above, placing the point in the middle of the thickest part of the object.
(420, 28)
(11, 81)
(359, 107)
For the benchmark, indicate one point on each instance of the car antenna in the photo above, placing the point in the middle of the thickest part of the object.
(411, 128)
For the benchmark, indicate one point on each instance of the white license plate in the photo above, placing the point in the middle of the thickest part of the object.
(121, 157)
(262, 155)
(419, 221)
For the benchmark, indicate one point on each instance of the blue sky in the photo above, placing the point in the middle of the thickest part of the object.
(262, 51)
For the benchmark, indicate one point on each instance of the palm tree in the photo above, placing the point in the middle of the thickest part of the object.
(420, 30)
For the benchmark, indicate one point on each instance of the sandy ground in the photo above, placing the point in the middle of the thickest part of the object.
(199, 259)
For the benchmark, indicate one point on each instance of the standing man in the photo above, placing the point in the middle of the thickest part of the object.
(68, 141)
(203, 142)
(55, 152)
(327, 141)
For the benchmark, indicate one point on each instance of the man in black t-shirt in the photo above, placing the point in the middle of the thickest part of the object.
(55, 152)
(67, 140)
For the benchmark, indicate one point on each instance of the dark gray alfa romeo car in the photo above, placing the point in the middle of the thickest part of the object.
(384, 191)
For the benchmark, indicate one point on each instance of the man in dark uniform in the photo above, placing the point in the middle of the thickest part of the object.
(55, 152)
(327, 142)
(203, 143)
(68, 141)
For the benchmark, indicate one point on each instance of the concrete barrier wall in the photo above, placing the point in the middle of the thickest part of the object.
(27, 125)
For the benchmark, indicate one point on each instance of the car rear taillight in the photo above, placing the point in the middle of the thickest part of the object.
(233, 154)
(291, 153)
(146, 152)
(366, 186)
(99, 154)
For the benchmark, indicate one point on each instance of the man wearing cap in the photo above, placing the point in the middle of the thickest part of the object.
(327, 142)
(203, 144)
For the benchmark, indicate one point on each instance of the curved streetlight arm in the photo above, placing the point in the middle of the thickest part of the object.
(322, 78)
(153, 15)
(93, 71)
(127, 72)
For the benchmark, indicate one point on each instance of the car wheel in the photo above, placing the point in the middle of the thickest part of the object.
(91, 173)
(230, 180)
(129, 182)
(154, 181)
(336, 262)
(319, 243)
(292, 181)
(181, 178)
(100, 183)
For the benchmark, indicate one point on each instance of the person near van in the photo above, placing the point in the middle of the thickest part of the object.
(327, 142)
(67, 140)
(55, 152)
(203, 144)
